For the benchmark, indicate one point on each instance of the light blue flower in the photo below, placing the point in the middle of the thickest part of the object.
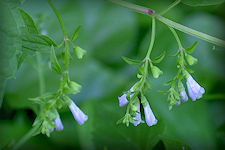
(58, 124)
(149, 116)
(184, 96)
(123, 99)
(137, 118)
(194, 89)
(78, 115)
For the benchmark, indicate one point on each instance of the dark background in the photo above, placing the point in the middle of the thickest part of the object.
(109, 32)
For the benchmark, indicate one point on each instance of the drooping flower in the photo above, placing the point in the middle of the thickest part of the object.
(137, 118)
(183, 93)
(123, 99)
(194, 89)
(149, 116)
(58, 124)
(184, 96)
(78, 115)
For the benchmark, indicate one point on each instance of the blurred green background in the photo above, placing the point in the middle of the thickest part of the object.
(109, 32)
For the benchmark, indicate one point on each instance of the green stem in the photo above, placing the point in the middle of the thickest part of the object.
(40, 74)
(190, 31)
(67, 55)
(176, 37)
(59, 18)
(152, 38)
(137, 8)
(172, 24)
(170, 7)
(25, 137)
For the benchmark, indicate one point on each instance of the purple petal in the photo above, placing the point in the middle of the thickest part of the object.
(194, 89)
(149, 116)
(184, 96)
(58, 124)
(137, 118)
(51, 130)
(123, 100)
(178, 103)
(78, 115)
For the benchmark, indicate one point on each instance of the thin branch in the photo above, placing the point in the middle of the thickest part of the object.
(150, 12)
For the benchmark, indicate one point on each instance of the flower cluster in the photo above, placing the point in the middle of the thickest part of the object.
(177, 92)
(49, 118)
(135, 115)
(135, 95)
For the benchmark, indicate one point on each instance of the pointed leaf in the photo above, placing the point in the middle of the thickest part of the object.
(75, 34)
(29, 23)
(159, 58)
(189, 70)
(35, 42)
(131, 61)
(54, 62)
(191, 49)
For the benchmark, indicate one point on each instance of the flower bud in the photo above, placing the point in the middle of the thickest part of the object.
(156, 72)
(191, 60)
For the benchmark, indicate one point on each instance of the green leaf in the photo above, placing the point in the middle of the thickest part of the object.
(75, 34)
(10, 44)
(202, 2)
(29, 23)
(189, 70)
(79, 52)
(168, 82)
(191, 49)
(35, 42)
(159, 58)
(175, 55)
(163, 92)
(131, 61)
(54, 62)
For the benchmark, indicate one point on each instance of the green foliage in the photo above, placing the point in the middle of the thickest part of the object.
(188, 123)
(54, 62)
(159, 58)
(29, 23)
(132, 61)
(76, 32)
(202, 2)
(10, 44)
(191, 49)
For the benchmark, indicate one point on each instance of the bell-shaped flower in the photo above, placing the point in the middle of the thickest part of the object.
(194, 89)
(78, 115)
(123, 99)
(58, 124)
(184, 96)
(149, 116)
(137, 118)
(183, 93)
